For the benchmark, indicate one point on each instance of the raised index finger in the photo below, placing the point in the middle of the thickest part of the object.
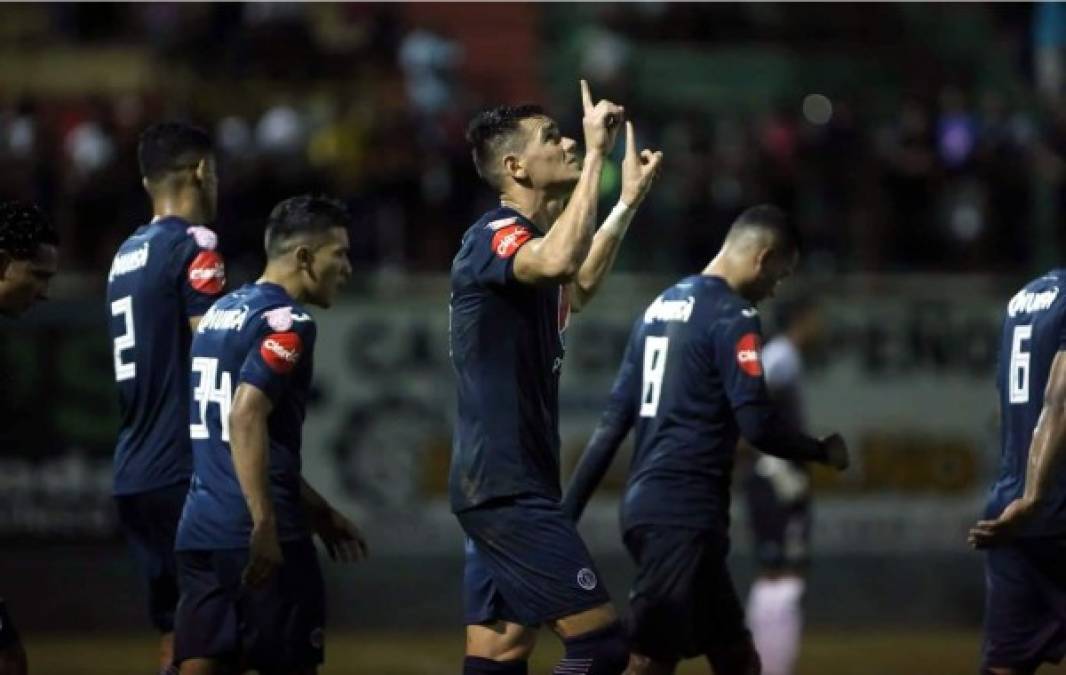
(631, 140)
(586, 97)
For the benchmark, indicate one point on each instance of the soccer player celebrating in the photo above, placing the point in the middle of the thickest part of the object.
(162, 279)
(520, 270)
(778, 497)
(252, 595)
(691, 383)
(28, 258)
(1024, 525)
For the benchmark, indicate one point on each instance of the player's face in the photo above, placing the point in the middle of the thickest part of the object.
(25, 282)
(330, 268)
(770, 270)
(550, 159)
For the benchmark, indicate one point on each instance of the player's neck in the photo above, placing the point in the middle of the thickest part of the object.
(724, 268)
(288, 279)
(167, 206)
(537, 207)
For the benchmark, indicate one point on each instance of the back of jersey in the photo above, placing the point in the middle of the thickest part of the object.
(1034, 330)
(166, 273)
(695, 354)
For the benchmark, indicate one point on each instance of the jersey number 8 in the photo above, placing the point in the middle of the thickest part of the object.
(655, 348)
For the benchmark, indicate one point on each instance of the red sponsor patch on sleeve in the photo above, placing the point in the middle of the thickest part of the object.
(207, 273)
(748, 354)
(281, 351)
(507, 240)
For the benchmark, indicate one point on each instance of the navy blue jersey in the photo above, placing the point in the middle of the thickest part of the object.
(1034, 330)
(690, 382)
(259, 335)
(166, 273)
(507, 346)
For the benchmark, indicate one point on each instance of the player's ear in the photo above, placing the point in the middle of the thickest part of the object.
(202, 169)
(147, 185)
(304, 257)
(514, 168)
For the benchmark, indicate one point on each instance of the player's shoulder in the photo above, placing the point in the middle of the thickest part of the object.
(1039, 295)
(501, 229)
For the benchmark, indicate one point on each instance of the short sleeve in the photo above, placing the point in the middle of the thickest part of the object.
(493, 249)
(738, 350)
(284, 341)
(202, 272)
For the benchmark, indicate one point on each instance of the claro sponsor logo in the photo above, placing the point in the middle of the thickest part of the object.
(507, 241)
(281, 351)
(748, 358)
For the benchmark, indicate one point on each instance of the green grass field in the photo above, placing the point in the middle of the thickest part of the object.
(859, 652)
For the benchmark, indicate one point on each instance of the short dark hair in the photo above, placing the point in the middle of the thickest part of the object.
(24, 229)
(769, 218)
(491, 130)
(170, 146)
(306, 214)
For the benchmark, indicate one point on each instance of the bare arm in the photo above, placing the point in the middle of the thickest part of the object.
(1046, 452)
(557, 256)
(250, 448)
(639, 171)
(194, 323)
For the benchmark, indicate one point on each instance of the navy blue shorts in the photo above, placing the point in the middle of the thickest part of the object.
(274, 628)
(1025, 604)
(526, 564)
(781, 530)
(683, 603)
(150, 522)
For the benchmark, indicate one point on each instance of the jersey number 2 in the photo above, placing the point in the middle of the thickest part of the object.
(128, 340)
(1018, 374)
(206, 393)
(655, 347)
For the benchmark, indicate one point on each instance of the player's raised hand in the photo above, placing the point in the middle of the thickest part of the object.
(639, 169)
(342, 539)
(264, 555)
(990, 533)
(601, 121)
(836, 452)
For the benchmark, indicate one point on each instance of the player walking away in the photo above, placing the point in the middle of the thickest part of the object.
(162, 279)
(1024, 526)
(28, 259)
(521, 269)
(778, 497)
(691, 382)
(252, 595)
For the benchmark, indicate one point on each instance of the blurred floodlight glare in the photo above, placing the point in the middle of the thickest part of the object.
(817, 108)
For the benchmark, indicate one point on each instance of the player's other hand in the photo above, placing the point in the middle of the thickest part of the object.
(264, 555)
(601, 121)
(342, 539)
(639, 169)
(836, 452)
(990, 533)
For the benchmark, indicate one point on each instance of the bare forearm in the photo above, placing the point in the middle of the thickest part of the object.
(570, 237)
(312, 500)
(594, 270)
(251, 459)
(1046, 452)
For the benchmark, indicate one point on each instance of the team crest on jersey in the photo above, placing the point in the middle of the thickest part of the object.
(204, 237)
(586, 579)
(281, 319)
(281, 351)
(748, 358)
(507, 240)
(207, 272)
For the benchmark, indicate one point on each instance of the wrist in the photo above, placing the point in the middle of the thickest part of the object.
(617, 222)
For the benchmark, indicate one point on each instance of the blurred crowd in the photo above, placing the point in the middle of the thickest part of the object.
(938, 172)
